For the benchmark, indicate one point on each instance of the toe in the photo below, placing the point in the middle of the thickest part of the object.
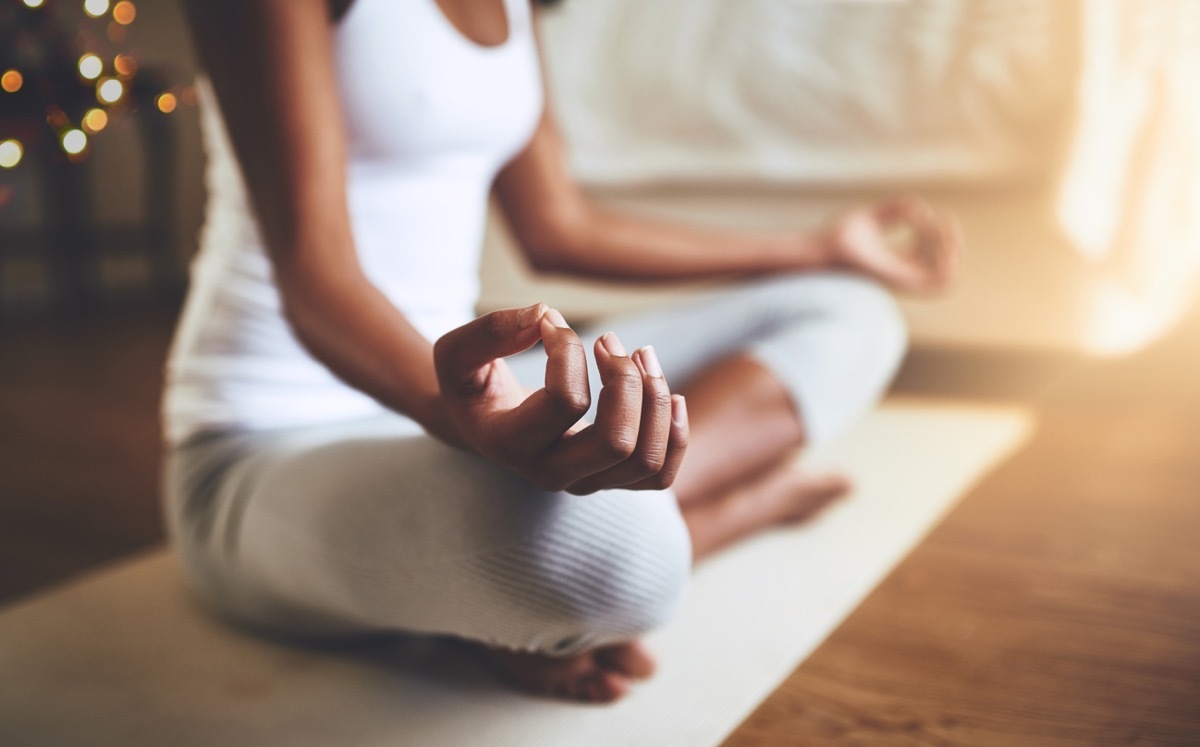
(607, 687)
(631, 659)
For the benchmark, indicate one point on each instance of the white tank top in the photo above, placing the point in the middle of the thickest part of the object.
(430, 117)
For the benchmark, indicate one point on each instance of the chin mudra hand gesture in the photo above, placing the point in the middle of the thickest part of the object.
(640, 432)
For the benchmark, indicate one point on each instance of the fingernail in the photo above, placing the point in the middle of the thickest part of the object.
(613, 345)
(556, 319)
(529, 316)
(650, 362)
(679, 410)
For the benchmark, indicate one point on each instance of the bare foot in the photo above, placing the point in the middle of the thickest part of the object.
(796, 495)
(785, 495)
(601, 675)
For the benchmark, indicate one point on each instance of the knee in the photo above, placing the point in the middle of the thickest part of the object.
(837, 351)
(838, 307)
(854, 320)
(875, 317)
(616, 569)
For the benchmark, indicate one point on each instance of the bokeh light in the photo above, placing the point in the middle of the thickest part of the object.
(10, 153)
(110, 90)
(33, 3)
(57, 118)
(74, 141)
(125, 65)
(166, 103)
(95, 8)
(116, 33)
(95, 120)
(90, 66)
(124, 12)
(11, 81)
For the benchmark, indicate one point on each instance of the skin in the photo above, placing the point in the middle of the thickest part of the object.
(270, 63)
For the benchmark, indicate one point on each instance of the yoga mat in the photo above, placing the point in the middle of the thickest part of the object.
(126, 657)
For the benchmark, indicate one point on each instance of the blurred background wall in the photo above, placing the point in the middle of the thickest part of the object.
(1066, 136)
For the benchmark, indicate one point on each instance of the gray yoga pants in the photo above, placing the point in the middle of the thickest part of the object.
(371, 525)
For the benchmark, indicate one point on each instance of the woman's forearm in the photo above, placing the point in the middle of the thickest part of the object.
(347, 323)
(560, 230)
(616, 246)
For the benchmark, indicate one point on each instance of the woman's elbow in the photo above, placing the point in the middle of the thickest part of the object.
(553, 247)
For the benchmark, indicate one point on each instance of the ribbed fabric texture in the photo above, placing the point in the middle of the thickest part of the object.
(370, 525)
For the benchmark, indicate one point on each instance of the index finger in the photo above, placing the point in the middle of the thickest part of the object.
(461, 355)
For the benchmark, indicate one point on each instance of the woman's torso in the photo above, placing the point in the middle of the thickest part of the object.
(430, 116)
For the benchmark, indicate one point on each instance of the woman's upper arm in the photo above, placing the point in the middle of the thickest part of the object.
(271, 65)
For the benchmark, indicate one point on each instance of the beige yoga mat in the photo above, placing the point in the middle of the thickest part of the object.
(125, 657)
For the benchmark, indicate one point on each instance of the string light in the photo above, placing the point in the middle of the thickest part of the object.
(125, 65)
(107, 69)
(95, 120)
(95, 8)
(110, 91)
(74, 141)
(11, 81)
(10, 153)
(124, 12)
(90, 66)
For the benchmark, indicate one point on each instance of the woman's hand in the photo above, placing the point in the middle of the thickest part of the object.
(902, 243)
(640, 434)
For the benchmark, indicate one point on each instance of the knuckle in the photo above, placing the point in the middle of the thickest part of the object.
(493, 324)
(650, 462)
(619, 443)
(660, 399)
(572, 346)
(570, 402)
(626, 377)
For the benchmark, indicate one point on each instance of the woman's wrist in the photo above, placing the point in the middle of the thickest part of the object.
(431, 412)
(803, 251)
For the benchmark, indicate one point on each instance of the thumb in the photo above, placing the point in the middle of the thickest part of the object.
(461, 356)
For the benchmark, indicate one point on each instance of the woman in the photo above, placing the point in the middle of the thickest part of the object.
(333, 470)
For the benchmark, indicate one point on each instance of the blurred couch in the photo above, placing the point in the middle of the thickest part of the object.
(1065, 135)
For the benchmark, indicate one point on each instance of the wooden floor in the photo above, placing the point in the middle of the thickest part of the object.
(1058, 604)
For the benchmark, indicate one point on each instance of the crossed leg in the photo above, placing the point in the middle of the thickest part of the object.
(736, 481)
(738, 478)
(375, 526)
(766, 369)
